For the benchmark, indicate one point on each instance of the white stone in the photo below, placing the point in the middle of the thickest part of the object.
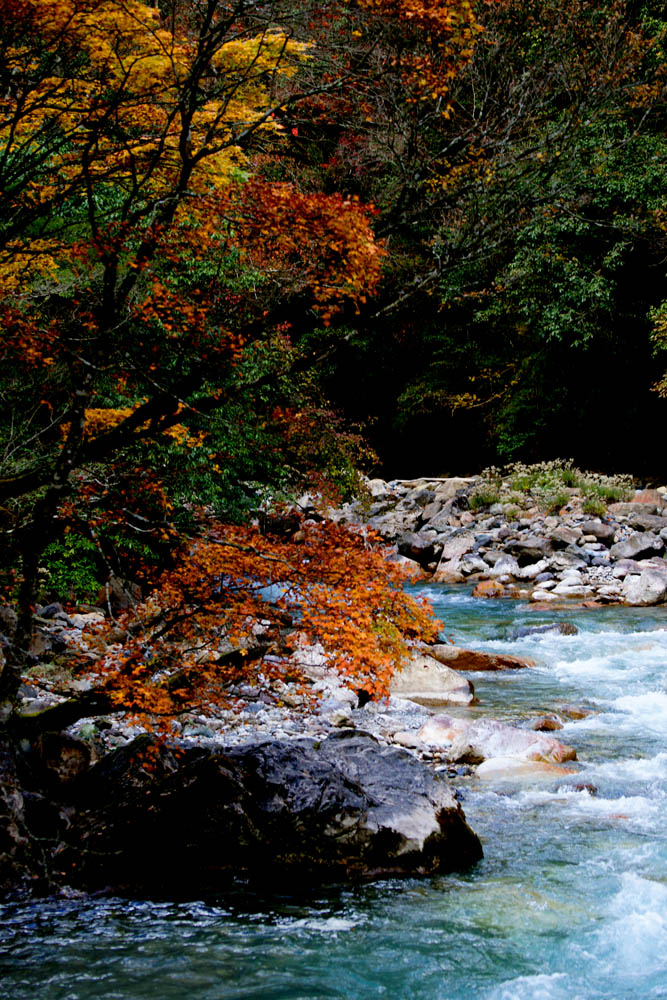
(650, 587)
(427, 682)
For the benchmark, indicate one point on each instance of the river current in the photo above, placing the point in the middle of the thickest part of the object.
(569, 902)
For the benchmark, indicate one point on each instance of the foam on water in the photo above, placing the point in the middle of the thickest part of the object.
(635, 937)
(541, 987)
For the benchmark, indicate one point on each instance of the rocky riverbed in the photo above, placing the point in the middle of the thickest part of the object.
(515, 549)
(428, 730)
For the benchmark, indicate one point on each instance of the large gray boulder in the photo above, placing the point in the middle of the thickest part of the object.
(640, 546)
(650, 587)
(530, 549)
(275, 811)
(603, 532)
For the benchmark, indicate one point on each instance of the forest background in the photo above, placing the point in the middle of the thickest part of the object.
(249, 248)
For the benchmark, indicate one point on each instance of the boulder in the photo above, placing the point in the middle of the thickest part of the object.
(473, 564)
(650, 587)
(649, 497)
(567, 560)
(505, 566)
(530, 549)
(419, 547)
(447, 489)
(603, 532)
(639, 546)
(457, 545)
(489, 588)
(272, 811)
(427, 681)
(563, 536)
(647, 522)
(449, 572)
(624, 566)
(638, 507)
(547, 724)
(393, 524)
(474, 660)
(473, 742)
(532, 571)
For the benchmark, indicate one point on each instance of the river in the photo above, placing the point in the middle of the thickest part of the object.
(569, 903)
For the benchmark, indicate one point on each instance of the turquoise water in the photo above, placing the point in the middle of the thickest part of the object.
(570, 900)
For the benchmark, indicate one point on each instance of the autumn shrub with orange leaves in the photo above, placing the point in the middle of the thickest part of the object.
(238, 606)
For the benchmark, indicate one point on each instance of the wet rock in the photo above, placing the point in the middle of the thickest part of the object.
(500, 769)
(489, 588)
(427, 681)
(473, 660)
(576, 712)
(547, 724)
(543, 595)
(473, 742)
(553, 628)
(274, 811)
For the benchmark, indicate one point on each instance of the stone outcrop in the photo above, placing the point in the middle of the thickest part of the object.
(347, 807)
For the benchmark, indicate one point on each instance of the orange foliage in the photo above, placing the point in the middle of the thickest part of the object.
(328, 584)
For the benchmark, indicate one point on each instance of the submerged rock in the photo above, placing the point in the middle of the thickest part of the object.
(150, 821)
(474, 742)
(514, 768)
(553, 628)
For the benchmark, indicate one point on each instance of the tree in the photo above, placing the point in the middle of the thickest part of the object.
(149, 259)
(531, 231)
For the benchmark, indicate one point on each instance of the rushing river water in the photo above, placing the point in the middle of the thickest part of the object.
(569, 903)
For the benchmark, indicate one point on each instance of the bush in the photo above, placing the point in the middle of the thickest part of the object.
(597, 508)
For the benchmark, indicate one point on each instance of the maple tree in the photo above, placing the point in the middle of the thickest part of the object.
(245, 606)
(153, 244)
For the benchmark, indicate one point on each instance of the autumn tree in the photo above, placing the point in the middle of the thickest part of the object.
(151, 264)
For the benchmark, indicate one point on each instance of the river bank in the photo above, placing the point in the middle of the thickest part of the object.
(450, 531)
(567, 901)
(549, 549)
